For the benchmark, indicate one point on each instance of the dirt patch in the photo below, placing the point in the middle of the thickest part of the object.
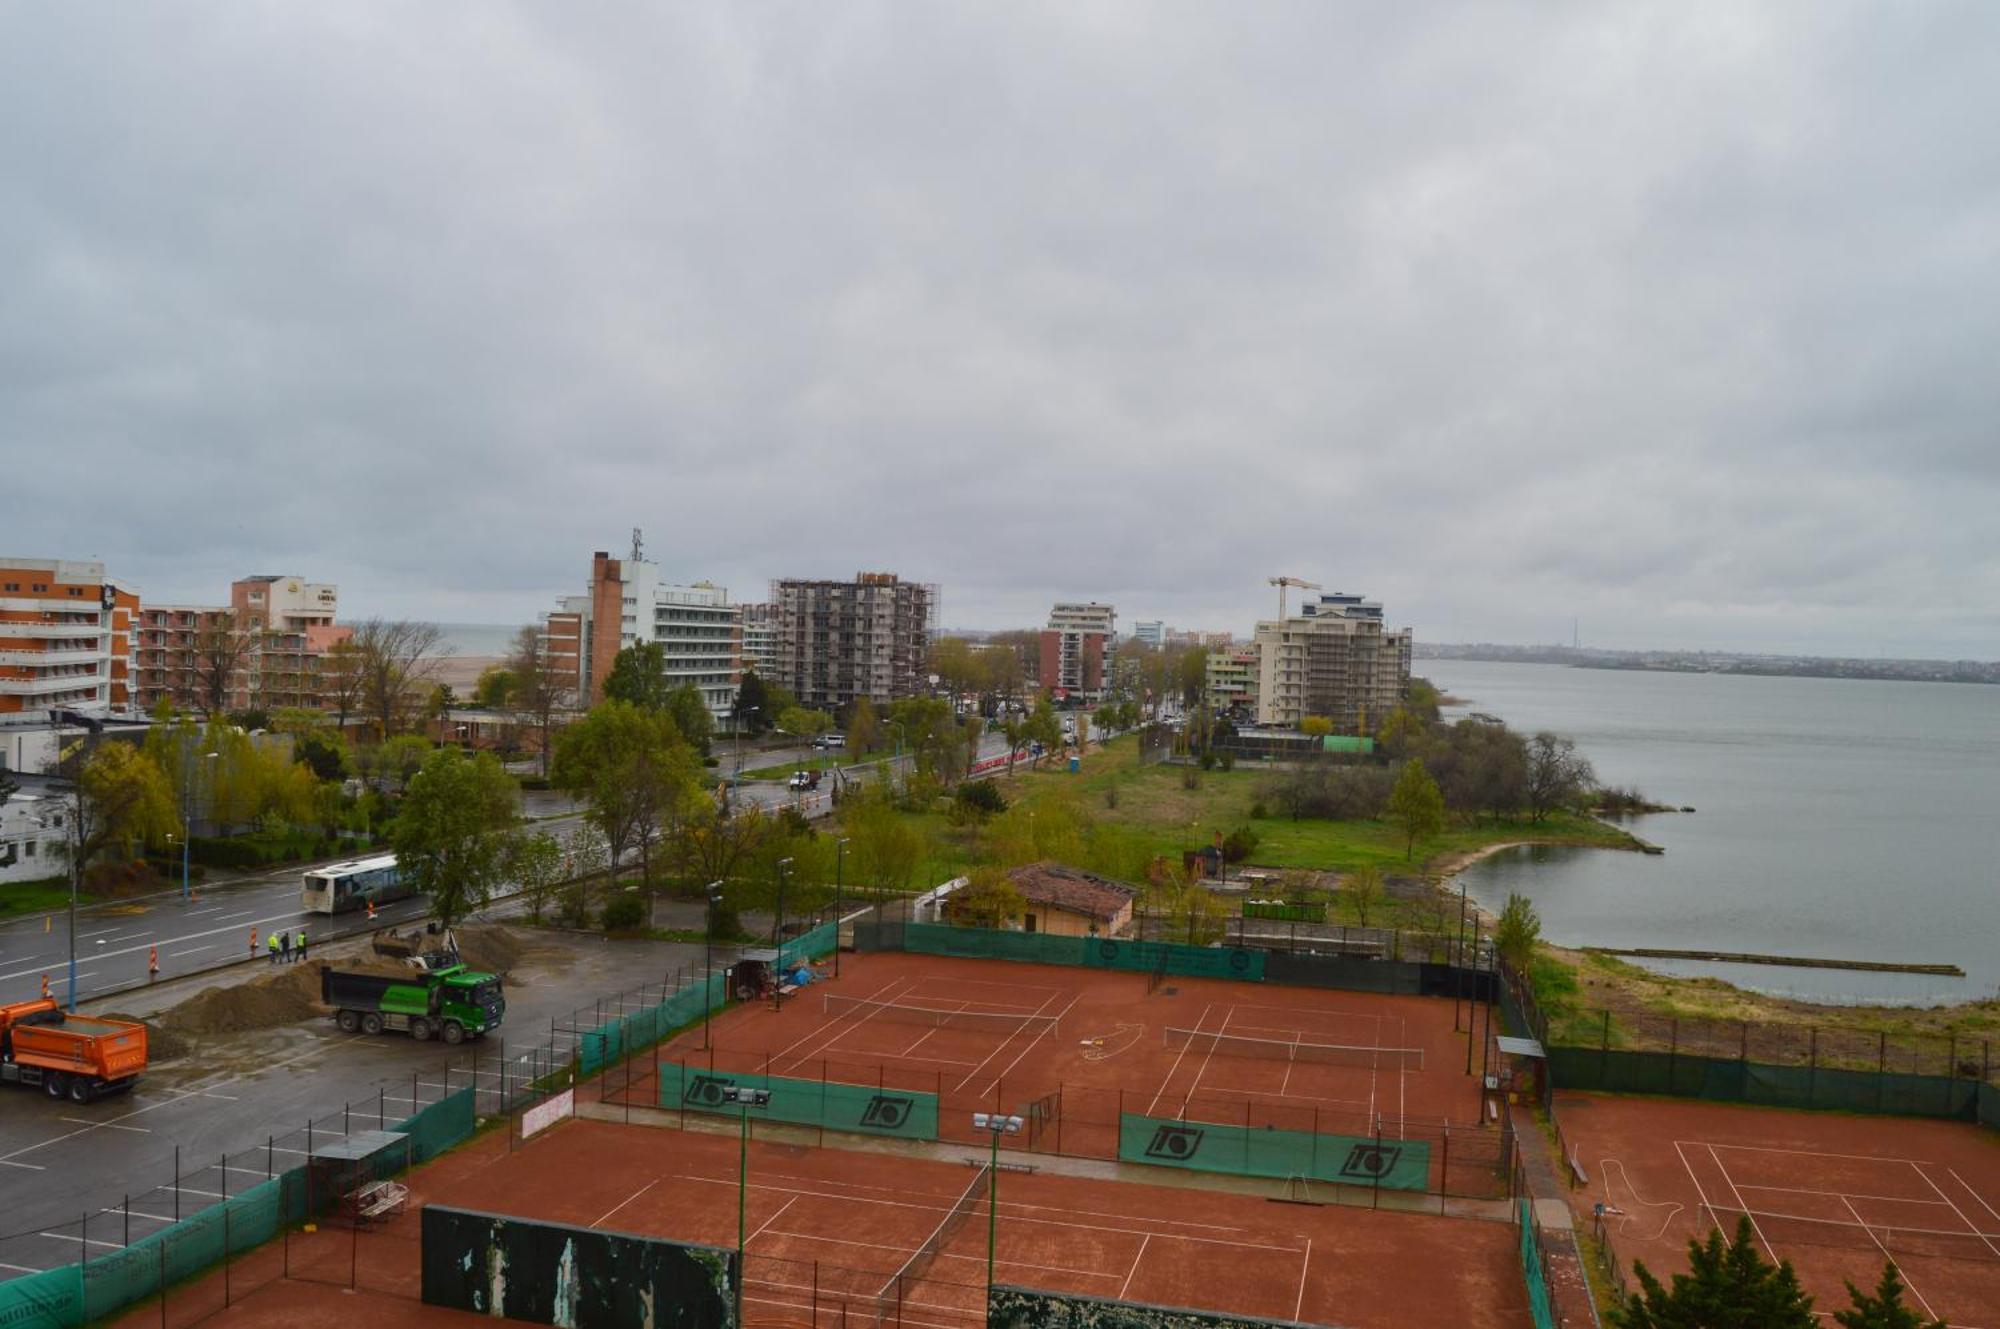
(287, 996)
(495, 948)
(162, 1043)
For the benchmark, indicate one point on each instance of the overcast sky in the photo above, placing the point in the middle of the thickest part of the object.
(1679, 319)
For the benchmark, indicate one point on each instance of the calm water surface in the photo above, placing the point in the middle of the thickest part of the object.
(1835, 818)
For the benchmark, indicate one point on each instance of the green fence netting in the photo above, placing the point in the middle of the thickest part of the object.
(1172, 957)
(130, 1274)
(991, 944)
(907, 1114)
(439, 1126)
(1262, 1151)
(1727, 1080)
(1095, 952)
(1988, 1107)
(52, 1299)
(1532, 1272)
(610, 1041)
(809, 945)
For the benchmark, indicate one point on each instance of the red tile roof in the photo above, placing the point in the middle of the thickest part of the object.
(1060, 887)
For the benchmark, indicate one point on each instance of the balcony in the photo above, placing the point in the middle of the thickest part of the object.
(83, 684)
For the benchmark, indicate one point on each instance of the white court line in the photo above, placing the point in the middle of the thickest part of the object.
(833, 1027)
(1002, 1047)
(1029, 1046)
(1195, 1088)
(789, 1202)
(1970, 1225)
(26, 1167)
(1808, 1153)
(1174, 1069)
(1261, 1094)
(628, 1199)
(1928, 1312)
(1021, 1206)
(1973, 1193)
(135, 1213)
(64, 1236)
(19, 1268)
(1701, 1194)
(1744, 1205)
(1131, 1273)
(1304, 1269)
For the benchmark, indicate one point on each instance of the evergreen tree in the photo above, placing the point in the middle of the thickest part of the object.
(1727, 1286)
(1884, 1310)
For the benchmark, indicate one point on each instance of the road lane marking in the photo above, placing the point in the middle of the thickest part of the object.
(86, 1121)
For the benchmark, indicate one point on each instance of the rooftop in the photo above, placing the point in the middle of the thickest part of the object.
(1062, 887)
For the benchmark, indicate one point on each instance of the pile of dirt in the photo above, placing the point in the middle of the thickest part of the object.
(162, 1043)
(287, 996)
(489, 947)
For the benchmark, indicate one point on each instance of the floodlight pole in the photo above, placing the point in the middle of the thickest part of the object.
(745, 1099)
(995, 1125)
(1471, 1020)
(778, 938)
(839, 871)
(708, 961)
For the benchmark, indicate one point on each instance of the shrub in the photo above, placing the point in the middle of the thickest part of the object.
(981, 796)
(1228, 761)
(626, 913)
(1258, 812)
(1239, 844)
(1111, 796)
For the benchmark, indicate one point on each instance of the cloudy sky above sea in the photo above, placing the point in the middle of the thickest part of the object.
(1679, 319)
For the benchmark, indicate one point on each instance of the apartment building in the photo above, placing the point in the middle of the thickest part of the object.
(65, 640)
(272, 638)
(836, 641)
(1333, 658)
(1073, 646)
(1150, 632)
(1233, 679)
(630, 601)
(760, 639)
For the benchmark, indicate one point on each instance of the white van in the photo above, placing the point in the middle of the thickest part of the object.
(830, 741)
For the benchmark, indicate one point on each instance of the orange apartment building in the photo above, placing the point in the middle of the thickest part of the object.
(291, 622)
(65, 640)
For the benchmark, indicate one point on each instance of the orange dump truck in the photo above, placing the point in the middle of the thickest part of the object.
(70, 1056)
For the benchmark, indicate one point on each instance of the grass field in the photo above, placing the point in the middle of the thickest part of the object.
(35, 897)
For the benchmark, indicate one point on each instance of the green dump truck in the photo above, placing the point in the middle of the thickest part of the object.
(453, 1003)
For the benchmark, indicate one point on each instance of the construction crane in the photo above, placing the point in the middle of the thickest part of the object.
(1282, 582)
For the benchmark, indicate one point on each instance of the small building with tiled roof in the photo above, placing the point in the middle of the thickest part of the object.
(1070, 902)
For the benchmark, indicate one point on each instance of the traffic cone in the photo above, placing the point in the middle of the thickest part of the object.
(152, 962)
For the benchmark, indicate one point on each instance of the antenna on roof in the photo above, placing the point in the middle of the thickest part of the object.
(637, 544)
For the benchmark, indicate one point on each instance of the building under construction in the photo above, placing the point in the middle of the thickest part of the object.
(835, 641)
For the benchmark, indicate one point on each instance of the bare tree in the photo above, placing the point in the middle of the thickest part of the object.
(340, 680)
(395, 660)
(542, 689)
(1557, 774)
(221, 646)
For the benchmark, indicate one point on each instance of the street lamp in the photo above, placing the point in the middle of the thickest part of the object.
(187, 818)
(995, 1125)
(736, 724)
(708, 960)
(778, 938)
(73, 847)
(839, 870)
(744, 1098)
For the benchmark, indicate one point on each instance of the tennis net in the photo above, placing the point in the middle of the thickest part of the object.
(940, 1017)
(1293, 1049)
(888, 1302)
(1781, 1229)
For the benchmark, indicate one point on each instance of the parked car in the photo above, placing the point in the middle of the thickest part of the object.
(804, 780)
(830, 741)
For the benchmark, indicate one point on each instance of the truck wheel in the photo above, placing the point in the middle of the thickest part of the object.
(348, 1021)
(454, 1032)
(56, 1083)
(420, 1029)
(80, 1090)
(371, 1023)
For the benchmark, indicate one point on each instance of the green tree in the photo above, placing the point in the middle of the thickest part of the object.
(1043, 727)
(1727, 1286)
(1316, 725)
(1364, 891)
(989, 899)
(396, 761)
(1885, 1309)
(322, 753)
(753, 713)
(633, 770)
(449, 837)
(864, 726)
(800, 722)
(494, 689)
(1416, 806)
(689, 713)
(638, 676)
(1557, 774)
(1422, 699)
(1520, 927)
(883, 846)
(535, 866)
(118, 800)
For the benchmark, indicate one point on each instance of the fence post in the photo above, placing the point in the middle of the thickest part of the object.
(1444, 1169)
(163, 1281)
(225, 1230)
(177, 1183)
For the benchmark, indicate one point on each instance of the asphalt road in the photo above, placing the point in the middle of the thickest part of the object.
(60, 1162)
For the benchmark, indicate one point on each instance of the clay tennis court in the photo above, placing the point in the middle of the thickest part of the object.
(1073, 1049)
(829, 1229)
(1836, 1195)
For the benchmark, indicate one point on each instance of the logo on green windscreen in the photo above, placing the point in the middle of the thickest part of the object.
(1174, 1144)
(887, 1112)
(705, 1091)
(1370, 1162)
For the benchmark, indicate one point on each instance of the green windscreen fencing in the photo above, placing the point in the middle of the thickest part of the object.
(1989, 1106)
(809, 945)
(991, 944)
(610, 1041)
(130, 1274)
(1532, 1271)
(1260, 1151)
(1094, 952)
(49, 1300)
(1726, 1080)
(906, 1114)
(439, 1126)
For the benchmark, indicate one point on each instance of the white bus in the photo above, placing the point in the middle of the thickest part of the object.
(339, 887)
